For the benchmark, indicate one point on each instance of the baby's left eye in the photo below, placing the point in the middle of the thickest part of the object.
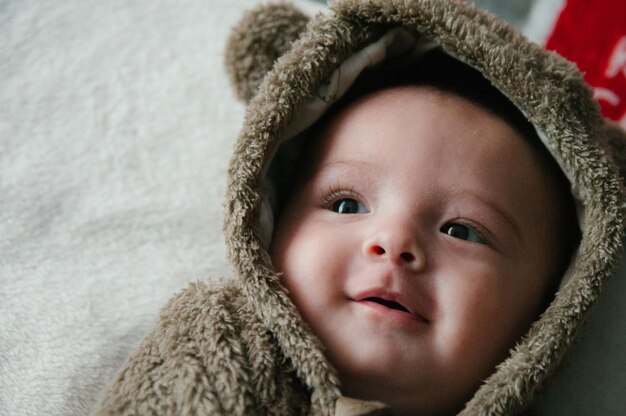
(463, 232)
(348, 206)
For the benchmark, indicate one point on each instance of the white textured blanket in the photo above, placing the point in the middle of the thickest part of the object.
(116, 124)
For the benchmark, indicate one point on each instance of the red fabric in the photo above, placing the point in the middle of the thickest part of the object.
(593, 35)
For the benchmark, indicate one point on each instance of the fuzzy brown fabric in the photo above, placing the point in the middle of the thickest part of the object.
(270, 31)
(242, 348)
(198, 352)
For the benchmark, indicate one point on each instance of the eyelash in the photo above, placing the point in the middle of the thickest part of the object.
(477, 228)
(335, 193)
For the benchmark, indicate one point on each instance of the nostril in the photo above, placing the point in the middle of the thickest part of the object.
(377, 250)
(408, 257)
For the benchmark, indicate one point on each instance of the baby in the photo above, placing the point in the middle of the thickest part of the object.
(400, 234)
(423, 235)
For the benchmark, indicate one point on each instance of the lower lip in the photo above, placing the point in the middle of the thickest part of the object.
(399, 317)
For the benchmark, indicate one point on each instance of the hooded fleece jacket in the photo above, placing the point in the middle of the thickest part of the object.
(240, 346)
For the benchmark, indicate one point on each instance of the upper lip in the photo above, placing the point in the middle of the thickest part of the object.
(392, 300)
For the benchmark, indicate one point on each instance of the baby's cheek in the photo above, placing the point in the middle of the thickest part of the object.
(296, 258)
(469, 308)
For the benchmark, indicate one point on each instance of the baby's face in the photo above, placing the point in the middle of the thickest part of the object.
(418, 246)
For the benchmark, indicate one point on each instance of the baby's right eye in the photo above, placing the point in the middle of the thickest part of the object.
(348, 206)
(463, 232)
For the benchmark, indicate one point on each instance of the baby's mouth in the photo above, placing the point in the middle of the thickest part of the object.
(391, 304)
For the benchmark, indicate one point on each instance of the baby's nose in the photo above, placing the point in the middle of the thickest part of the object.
(402, 253)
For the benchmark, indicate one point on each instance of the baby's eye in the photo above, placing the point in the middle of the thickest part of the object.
(463, 232)
(348, 206)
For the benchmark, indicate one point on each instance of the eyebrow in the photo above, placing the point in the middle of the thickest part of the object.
(362, 168)
(348, 162)
(501, 212)
(335, 164)
(354, 163)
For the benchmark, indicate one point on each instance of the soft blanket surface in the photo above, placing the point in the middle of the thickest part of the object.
(116, 125)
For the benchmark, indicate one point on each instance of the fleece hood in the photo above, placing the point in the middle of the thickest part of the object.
(289, 68)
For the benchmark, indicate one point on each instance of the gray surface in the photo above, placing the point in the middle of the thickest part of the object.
(514, 11)
(592, 380)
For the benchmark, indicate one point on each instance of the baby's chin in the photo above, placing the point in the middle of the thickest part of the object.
(404, 397)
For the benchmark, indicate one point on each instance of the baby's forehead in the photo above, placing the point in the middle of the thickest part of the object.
(416, 110)
(441, 72)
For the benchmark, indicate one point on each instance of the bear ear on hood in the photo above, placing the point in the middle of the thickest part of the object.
(257, 41)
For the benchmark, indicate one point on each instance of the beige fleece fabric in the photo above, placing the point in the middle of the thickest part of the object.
(243, 348)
